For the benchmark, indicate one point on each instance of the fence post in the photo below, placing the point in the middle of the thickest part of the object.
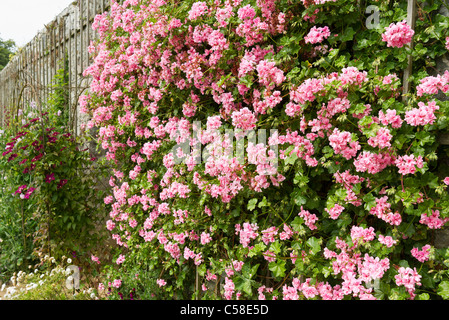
(411, 17)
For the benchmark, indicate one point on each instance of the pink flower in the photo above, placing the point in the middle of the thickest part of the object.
(95, 259)
(244, 119)
(270, 256)
(309, 218)
(408, 278)
(217, 40)
(363, 234)
(229, 288)
(446, 180)
(423, 254)
(110, 225)
(431, 84)
(343, 144)
(317, 35)
(117, 283)
(383, 211)
(247, 12)
(381, 139)
(423, 115)
(407, 164)
(433, 221)
(397, 35)
(269, 74)
(387, 240)
(248, 233)
(335, 211)
(198, 9)
(205, 238)
(120, 259)
(161, 282)
(269, 234)
(391, 118)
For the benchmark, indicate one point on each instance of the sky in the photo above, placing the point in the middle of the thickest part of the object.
(21, 20)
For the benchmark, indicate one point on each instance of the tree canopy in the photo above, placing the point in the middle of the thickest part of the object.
(7, 47)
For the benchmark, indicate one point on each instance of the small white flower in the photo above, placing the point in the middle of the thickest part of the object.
(69, 260)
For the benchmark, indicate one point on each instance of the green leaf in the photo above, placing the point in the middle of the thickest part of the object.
(252, 204)
(314, 244)
(347, 35)
(263, 203)
(278, 268)
(275, 247)
(297, 224)
(258, 248)
(443, 290)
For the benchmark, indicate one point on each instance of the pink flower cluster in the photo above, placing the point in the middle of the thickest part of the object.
(335, 211)
(422, 255)
(423, 115)
(398, 34)
(309, 218)
(390, 118)
(360, 234)
(342, 143)
(244, 119)
(407, 164)
(248, 233)
(432, 84)
(409, 278)
(382, 139)
(382, 210)
(354, 269)
(373, 163)
(317, 35)
(433, 221)
(198, 9)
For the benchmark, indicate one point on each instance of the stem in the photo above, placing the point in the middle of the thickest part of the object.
(23, 231)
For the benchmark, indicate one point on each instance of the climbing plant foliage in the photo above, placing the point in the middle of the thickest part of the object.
(342, 198)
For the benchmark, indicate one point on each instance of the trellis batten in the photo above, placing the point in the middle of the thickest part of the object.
(30, 74)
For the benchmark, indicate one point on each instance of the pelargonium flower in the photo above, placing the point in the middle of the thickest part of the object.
(423, 115)
(198, 9)
(244, 119)
(408, 278)
(317, 35)
(423, 254)
(397, 35)
(433, 221)
(407, 164)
